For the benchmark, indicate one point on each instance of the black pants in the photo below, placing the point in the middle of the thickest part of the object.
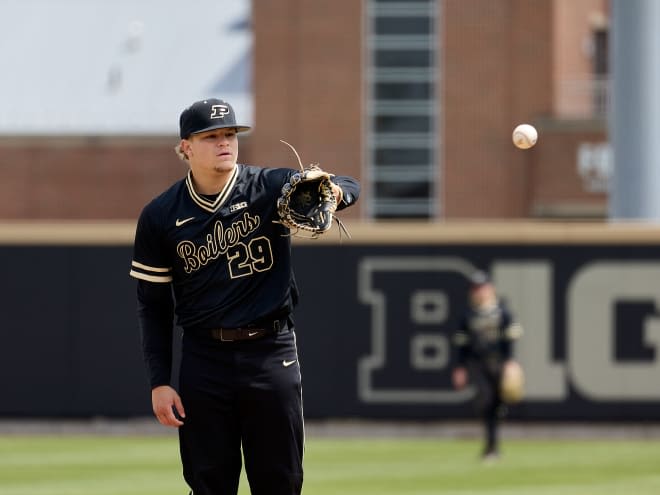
(242, 396)
(489, 402)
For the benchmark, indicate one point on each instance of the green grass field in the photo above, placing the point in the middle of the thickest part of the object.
(110, 465)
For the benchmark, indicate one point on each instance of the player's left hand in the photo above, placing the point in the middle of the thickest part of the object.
(512, 382)
(308, 201)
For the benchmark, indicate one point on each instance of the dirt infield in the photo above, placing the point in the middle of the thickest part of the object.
(347, 428)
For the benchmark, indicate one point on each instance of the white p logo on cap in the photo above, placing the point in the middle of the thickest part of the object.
(219, 111)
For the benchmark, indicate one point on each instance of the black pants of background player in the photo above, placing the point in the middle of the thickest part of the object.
(244, 397)
(489, 404)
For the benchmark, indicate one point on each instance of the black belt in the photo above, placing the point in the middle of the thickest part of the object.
(250, 332)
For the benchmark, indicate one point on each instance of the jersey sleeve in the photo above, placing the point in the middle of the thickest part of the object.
(150, 260)
(350, 190)
(155, 318)
(461, 342)
(151, 266)
(510, 332)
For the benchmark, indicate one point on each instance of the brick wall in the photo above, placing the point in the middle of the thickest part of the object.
(84, 178)
(308, 84)
(496, 74)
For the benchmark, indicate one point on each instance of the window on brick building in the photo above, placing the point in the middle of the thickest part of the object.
(601, 71)
(401, 108)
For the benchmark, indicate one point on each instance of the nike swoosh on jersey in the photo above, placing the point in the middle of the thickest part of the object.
(179, 223)
(286, 363)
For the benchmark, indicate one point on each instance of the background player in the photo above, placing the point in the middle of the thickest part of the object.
(212, 241)
(484, 343)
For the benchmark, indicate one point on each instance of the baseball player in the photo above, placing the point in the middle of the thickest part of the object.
(210, 251)
(484, 341)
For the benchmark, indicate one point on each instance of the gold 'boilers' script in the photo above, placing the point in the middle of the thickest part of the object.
(218, 242)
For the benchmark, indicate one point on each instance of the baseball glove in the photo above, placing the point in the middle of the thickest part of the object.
(307, 202)
(512, 383)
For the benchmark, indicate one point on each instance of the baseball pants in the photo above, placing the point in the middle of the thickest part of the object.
(489, 403)
(244, 398)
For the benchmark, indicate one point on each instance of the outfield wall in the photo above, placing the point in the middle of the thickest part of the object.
(373, 325)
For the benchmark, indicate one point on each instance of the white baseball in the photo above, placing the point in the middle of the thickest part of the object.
(524, 136)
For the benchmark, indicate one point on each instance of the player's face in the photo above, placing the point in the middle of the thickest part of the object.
(215, 150)
(483, 295)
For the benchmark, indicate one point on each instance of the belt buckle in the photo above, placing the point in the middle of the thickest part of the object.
(222, 337)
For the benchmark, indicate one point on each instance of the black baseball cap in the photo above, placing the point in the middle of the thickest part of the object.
(479, 278)
(206, 115)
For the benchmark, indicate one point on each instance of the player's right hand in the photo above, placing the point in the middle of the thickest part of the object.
(459, 377)
(167, 405)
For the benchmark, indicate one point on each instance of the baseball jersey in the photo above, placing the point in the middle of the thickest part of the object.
(227, 257)
(486, 334)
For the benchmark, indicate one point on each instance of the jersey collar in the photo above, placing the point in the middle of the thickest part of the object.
(206, 204)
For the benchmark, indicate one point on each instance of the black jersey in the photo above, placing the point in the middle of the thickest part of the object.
(486, 334)
(227, 257)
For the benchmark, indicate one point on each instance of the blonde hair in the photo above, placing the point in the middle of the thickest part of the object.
(178, 149)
